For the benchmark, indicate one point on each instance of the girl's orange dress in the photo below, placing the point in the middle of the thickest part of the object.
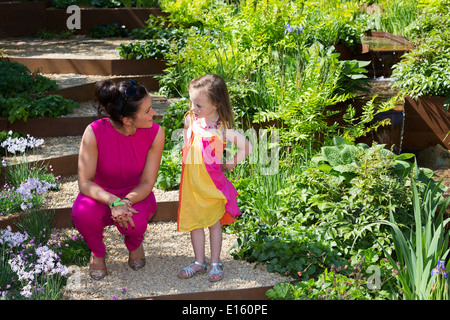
(206, 195)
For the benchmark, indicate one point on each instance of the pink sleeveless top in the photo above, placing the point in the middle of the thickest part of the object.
(121, 159)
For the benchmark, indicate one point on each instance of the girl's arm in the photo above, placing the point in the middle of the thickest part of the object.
(150, 171)
(243, 145)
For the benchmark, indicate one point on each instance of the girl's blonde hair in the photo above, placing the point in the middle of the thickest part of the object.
(216, 89)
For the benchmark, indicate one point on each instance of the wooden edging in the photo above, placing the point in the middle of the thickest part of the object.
(19, 18)
(101, 67)
(426, 123)
(166, 211)
(255, 293)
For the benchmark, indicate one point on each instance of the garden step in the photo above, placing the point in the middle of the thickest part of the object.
(166, 211)
(96, 66)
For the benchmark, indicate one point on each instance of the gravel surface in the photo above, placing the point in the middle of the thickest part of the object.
(167, 251)
(78, 47)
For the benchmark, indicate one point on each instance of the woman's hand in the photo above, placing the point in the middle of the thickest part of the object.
(123, 214)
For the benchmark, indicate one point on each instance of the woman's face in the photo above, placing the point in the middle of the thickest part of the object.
(144, 115)
(201, 105)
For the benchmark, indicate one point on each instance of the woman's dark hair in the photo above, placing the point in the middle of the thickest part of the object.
(117, 101)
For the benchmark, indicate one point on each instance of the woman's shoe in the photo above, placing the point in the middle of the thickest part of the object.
(216, 271)
(189, 272)
(136, 264)
(96, 274)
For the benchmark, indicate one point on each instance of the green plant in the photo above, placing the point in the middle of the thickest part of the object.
(37, 223)
(74, 249)
(17, 78)
(426, 244)
(108, 30)
(22, 106)
(367, 279)
(423, 71)
(150, 49)
(173, 123)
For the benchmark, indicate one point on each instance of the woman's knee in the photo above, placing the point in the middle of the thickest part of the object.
(88, 211)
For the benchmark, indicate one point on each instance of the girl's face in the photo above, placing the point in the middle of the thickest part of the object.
(201, 105)
(145, 113)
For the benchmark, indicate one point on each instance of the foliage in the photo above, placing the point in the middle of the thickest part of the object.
(149, 49)
(421, 249)
(21, 94)
(17, 78)
(172, 122)
(37, 223)
(284, 249)
(370, 278)
(23, 106)
(424, 70)
(395, 17)
(73, 249)
(108, 30)
(334, 202)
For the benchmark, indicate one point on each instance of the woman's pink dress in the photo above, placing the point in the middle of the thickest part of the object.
(121, 160)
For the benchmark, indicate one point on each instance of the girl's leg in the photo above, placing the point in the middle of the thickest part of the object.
(198, 243)
(215, 234)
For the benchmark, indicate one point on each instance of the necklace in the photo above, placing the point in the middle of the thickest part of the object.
(214, 126)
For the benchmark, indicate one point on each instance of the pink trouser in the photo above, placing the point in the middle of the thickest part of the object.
(90, 217)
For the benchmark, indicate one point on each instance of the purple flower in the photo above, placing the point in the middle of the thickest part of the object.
(440, 269)
(288, 29)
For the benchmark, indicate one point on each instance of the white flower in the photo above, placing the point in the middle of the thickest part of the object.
(12, 239)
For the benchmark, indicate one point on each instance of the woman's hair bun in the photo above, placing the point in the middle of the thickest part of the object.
(106, 92)
(114, 103)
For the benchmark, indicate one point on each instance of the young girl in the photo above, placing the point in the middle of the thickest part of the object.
(207, 198)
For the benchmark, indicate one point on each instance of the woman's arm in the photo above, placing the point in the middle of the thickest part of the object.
(150, 171)
(87, 165)
(243, 145)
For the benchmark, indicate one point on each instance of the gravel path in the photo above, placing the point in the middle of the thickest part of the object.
(78, 47)
(167, 251)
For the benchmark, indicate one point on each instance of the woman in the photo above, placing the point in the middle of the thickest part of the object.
(117, 168)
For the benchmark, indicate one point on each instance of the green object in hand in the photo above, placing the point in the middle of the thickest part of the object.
(116, 203)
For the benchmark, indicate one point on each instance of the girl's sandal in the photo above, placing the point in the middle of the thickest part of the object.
(189, 272)
(216, 271)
